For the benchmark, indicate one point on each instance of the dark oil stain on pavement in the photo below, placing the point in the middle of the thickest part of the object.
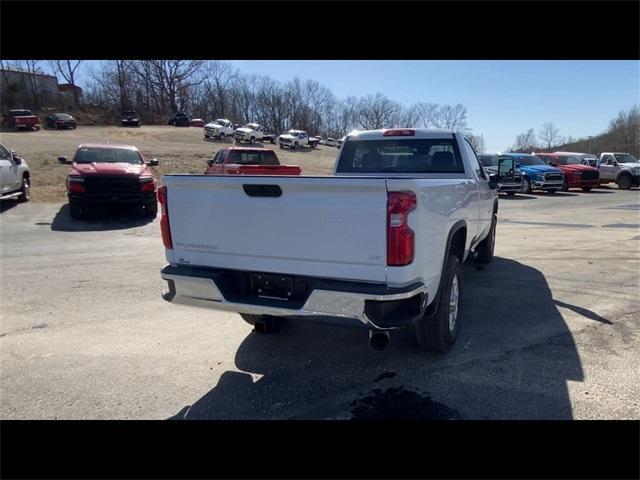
(384, 375)
(622, 225)
(400, 404)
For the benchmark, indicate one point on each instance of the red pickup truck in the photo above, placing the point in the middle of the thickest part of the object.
(248, 161)
(576, 175)
(17, 119)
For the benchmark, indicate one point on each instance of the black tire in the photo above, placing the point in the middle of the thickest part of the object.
(151, 209)
(76, 211)
(221, 137)
(273, 141)
(434, 332)
(586, 189)
(526, 186)
(253, 139)
(486, 247)
(295, 145)
(73, 127)
(624, 182)
(565, 185)
(551, 192)
(250, 319)
(511, 194)
(25, 190)
(281, 146)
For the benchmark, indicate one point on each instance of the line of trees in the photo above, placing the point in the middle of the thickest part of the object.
(623, 134)
(214, 89)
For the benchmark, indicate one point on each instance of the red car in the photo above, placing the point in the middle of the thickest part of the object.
(17, 119)
(105, 174)
(197, 122)
(576, 175)
(249, 161)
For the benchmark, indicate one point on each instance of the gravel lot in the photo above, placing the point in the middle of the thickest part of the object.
(550, 329)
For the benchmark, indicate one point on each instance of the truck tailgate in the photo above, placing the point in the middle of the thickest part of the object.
(328, 227)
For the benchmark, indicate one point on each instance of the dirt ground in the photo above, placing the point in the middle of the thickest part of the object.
(179, 150)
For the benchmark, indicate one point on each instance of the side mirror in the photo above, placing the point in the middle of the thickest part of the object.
(63, 161)
(153, 162)
(210, 162)
(16, 159)
(493, 181)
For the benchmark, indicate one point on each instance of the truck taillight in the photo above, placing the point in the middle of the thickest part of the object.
(400, 238)
(164, 219)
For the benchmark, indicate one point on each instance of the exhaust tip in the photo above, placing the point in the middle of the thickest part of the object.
(379, 340)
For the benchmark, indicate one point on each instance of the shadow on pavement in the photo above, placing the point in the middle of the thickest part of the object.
(513, 359)
(583, 311)
(100, 219)
(7, 205)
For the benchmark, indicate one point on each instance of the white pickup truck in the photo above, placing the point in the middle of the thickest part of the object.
(297, 139)
(380, 244)
(249, 133)
(219, 129)
(15, 177)
(619, 167)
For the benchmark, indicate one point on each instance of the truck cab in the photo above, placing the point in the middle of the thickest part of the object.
(218, 129)
(249, 133)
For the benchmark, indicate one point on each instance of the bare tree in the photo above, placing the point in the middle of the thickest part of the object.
(377, 111)
(428, 114)
(67, 69)
(477, 142)
(549, 134)
(525, 142)
(452, 117)
(625, 129)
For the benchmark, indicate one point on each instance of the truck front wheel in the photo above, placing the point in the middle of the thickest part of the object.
(151, 209)
(624, 182)
(438, 331)
(526, 186)
(76, 211)
(25, 190)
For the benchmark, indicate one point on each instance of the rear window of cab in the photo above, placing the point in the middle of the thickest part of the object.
(425, 155)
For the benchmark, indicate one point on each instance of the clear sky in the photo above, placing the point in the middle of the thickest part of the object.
(503, 98)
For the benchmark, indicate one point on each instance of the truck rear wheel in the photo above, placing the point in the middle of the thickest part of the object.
(437, 332)
(486, 247)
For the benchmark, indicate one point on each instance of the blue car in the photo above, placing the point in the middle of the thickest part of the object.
(537, 175)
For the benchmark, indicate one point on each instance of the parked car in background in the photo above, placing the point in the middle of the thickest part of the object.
(129, 118)
(381, 248)
(220, 129)
(331, 142)
(197, 122)
(509, 177)
(297, 139)
(104, 174)
(537, 175)
(250, 133)
(585, 158)
(180, 120)
(15, 177)
(340, 141)
(576, 175)
(248, 161)
(17, 119)
(60, 120)
(619, 167)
